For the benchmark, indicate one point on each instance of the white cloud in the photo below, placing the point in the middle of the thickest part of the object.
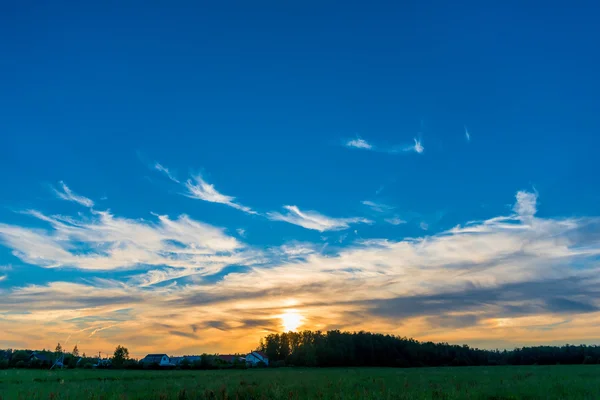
(424, 225)
(417, 280)
(314, 220)
(359, 144)
(2, 277)
(364, 145)
(395, 221)
(379, 207)
(467, 134)
(67, 194)
(241, 232)
(166, 171)
(418, 147)
(526, 204)
(102, 241)
(198, 188)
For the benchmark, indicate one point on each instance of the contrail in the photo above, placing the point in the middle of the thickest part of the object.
(101, 329)
(71, 334)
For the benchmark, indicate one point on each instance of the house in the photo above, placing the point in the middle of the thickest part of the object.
(159, 359)
(230, 358)
(42, 358)
(5, 355)
(256, 357)
(176, 360)
(103, 363)
(193, 359)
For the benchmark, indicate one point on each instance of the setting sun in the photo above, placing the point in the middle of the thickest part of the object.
(291, 320)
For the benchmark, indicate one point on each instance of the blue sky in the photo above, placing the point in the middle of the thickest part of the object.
(164, 152)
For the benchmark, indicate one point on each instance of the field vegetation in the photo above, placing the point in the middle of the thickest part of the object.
(485, 383)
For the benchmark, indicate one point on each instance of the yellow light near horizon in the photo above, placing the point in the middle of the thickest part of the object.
(291, 320)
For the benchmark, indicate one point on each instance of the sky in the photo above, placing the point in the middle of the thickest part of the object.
(190, 177)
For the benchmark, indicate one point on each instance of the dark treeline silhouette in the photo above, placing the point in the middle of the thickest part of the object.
(335, 349)
(326, 349)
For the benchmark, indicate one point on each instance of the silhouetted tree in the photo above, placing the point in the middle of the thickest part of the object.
(120, 355)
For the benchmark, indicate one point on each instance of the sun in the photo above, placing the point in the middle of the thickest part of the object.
(291, 320)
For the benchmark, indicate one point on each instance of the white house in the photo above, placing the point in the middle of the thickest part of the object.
(255, 357)
(160, 359)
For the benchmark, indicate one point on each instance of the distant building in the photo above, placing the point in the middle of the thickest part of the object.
(256, 357)
(193, 359)
(159, 359)
(5, 355)
(176, 360)
(103, 363)
(230, 358)
(42, 358)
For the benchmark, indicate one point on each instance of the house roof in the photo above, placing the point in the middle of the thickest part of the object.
(228, 357)
(153, 358)
(260, 354)
(41, 357)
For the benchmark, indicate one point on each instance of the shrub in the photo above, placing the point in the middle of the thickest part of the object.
(3, 364)
(88, 366)
(21, 364)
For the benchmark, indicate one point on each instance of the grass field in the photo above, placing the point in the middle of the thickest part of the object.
(492, 383)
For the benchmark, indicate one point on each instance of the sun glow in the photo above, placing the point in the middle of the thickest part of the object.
(291, 320)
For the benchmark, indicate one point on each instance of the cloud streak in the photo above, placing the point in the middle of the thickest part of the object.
(359, 144)
(395, 220)
(199, 189)
(166, 171)
(314, 220)
(106, 242)
(67, 194)
(379, 207)
(362, 144)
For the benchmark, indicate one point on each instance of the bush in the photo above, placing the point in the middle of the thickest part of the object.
(131, 364)
(21, 364)
(88, 366)
(3, 364)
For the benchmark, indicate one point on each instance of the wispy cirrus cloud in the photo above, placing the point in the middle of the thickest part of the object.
(359, 144)
(166, 171)
(395, 220)
(375, 206)
(505, 276)
(362, 144)
(314, 220)
(198, 188)
(69, 195)
(102, 241)
(467, 134)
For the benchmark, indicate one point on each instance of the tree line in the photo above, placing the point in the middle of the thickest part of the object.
(44, 359)
(120, 359)
(336, 349)
(329, 349)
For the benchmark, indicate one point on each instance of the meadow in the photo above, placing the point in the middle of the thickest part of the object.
(491, 383)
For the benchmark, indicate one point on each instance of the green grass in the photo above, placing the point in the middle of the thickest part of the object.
(491, 383)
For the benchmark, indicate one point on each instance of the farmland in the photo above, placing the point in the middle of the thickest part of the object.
(492, 383)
